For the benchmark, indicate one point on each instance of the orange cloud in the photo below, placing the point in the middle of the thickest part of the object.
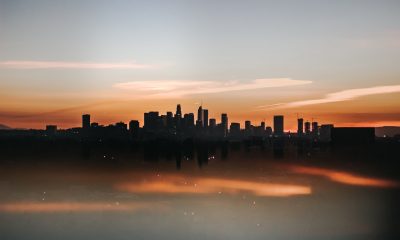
(172, 184)
(346, 178)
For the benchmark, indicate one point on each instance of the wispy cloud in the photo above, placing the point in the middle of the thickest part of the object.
(71, 65)
(181, 88)
(341, 96)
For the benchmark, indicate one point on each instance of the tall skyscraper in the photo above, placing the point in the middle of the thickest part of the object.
(200, 116)
(247, 125)
(224, 123)
(205, 118)
(300, 126)
(178, 111)
(86, 121)
(314, 129)
(170, 120)
(307, 126)
(278, 125)
(178, 117)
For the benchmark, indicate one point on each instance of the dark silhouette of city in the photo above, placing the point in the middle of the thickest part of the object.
(183, 136)
(180, 127)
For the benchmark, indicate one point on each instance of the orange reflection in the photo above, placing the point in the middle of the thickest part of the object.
(70, 206)
(173, 184)
(346, 178)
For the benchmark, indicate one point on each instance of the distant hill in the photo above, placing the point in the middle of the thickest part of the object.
(4, 127)
(389, 131)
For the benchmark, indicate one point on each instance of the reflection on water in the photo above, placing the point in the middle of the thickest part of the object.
(248, 195)
(71, 206)
(180, 184)
(346, 178)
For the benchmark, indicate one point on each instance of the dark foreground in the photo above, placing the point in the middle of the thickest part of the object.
(53, 190)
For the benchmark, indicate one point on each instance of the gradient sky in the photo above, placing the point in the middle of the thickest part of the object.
(334, 61)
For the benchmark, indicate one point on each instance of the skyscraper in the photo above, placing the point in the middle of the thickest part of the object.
(205, 118)
(170, 120)
(314, 129)
(300, 126)
(178, 111)
(278, 125)
(307, 127)
(178, 117)
(86, 121)
(200, 117)
(224, 123)
(247, 125)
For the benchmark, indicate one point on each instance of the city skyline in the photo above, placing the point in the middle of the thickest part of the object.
(253, 61)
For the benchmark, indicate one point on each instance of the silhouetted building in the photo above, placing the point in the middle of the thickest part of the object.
(213, 122)
(268, 131)
(189, 120)
(224, 123)
(248, 128)
(178, 117)
(134, 127)
(199, 121)
(169, 120)
(86, 121)
(121, 126)
(353, 135)
(314, 129)
(247, 125)
(51, 129)
(278, 125)
(151, 121)
(262, 126)
(325, 132)
(205, 118)
(300, 126)
(178, 111)
(234, 129)
(307, 127)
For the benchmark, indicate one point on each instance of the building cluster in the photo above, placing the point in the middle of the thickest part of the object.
(180, 126)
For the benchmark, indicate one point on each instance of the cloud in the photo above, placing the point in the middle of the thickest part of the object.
(341, 96)
(181, 88)
(70, 65)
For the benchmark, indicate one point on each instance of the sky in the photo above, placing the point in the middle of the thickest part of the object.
(327, 61)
